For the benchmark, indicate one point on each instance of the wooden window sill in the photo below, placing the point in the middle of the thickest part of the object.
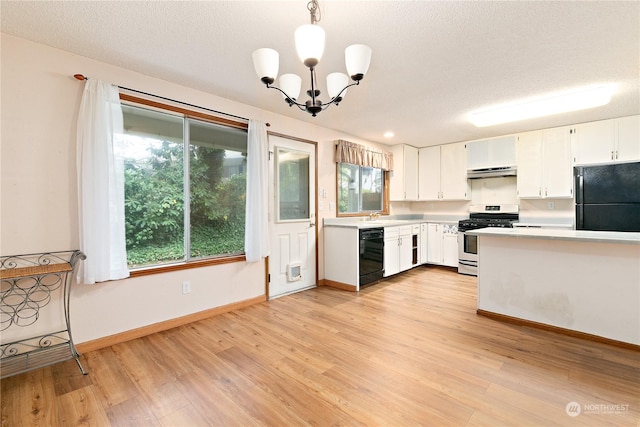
(186, 265)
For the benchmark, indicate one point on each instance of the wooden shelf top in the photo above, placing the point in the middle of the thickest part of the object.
(39, 270)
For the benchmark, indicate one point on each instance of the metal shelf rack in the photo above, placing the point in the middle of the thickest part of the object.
(28, 283)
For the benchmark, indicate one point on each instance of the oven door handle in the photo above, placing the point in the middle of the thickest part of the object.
(468, 263)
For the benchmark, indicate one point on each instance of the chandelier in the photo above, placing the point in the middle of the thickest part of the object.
(310, 46)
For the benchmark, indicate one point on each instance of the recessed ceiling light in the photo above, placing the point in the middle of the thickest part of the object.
(389, 134)
(589, 97)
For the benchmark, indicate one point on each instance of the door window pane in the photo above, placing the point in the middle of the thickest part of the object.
(293, 185)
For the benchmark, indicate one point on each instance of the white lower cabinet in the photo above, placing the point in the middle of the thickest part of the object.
(442, 247)
(434, 255)
(405, 251)
(450, 249)
(391, 251)
(342, 255)
(401, 248)
(424, 243)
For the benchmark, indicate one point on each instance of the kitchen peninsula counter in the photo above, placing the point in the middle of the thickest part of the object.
(575, 280)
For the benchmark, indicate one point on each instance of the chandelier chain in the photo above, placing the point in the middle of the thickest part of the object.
(314, 11)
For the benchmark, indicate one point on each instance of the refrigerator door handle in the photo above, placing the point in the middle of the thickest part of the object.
(579, 183)
(580, 217)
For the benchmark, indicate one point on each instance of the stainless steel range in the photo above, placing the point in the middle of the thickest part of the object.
(480, 216)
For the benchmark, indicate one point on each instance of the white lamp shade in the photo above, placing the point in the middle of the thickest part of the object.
(266, 62)
(335, 83)
(291, 84)
(357, 58)
(309, 44)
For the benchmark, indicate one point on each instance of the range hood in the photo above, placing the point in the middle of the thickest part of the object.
(491, 172)
(491, 157)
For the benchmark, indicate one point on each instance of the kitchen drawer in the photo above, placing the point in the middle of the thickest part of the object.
(415, 229)
(405, 230)
(391, 232)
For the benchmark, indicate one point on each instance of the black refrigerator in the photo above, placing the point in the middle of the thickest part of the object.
(608, 197)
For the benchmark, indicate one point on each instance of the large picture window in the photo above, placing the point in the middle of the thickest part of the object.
(185, 186)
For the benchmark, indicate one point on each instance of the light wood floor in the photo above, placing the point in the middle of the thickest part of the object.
(407, 351)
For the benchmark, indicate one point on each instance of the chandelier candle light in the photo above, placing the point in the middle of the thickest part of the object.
(310, 46)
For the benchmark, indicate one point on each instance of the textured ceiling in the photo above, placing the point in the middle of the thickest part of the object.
(433, 62)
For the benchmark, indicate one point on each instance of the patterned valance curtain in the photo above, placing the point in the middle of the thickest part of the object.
(356, 154)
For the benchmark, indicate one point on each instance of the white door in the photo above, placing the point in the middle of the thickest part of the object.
(292, 216)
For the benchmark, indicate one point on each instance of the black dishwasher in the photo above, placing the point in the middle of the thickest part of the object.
(371, 255)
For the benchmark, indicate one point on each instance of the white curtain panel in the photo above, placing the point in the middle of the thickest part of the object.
(101, 184)
(256, 240)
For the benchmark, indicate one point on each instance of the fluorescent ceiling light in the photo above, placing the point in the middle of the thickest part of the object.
(592, 96)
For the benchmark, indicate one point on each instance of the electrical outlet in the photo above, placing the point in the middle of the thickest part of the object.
(551, 205)
(186, 287)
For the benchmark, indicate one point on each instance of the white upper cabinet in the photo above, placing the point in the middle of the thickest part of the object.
(544, 164)
(606, 141)
(404, 178)
(529, 180)
(628, 149)
(491, 153)
(454, 184)
(594, 142)
(410, 173)
(429, 173)
(557, 170)
(443, 172)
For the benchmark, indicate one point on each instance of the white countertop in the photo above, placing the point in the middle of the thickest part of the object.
(522, 224)
(365, 222)
(358, 223)
(561, 234)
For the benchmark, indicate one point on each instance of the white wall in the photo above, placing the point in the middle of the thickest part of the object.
(38, 206)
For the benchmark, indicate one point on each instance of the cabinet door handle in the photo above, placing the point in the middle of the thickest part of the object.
(612, 155)
(616, 154)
